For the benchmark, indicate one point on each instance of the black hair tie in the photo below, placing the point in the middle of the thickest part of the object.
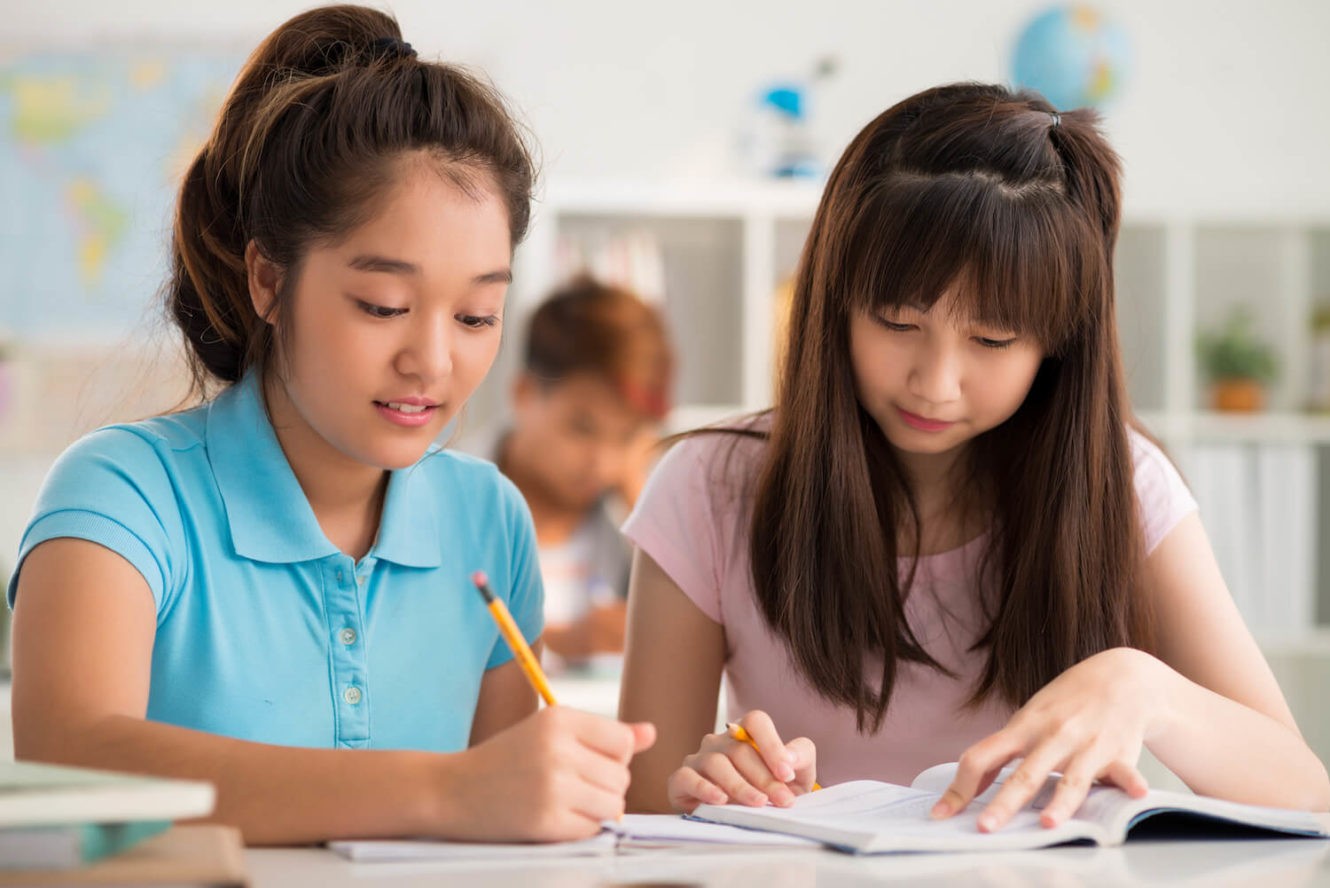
(391, 48)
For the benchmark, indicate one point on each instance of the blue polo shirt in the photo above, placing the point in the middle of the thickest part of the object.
(265, 630)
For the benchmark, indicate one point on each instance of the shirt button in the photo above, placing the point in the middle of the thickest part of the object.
(348, 636)
(352, 695)
(360, 580)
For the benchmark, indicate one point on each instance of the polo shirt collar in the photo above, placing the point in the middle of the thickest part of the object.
(270, 518)
(409, 527)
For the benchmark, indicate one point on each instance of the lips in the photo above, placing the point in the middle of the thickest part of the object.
(406, 407)
(409, 412)
(923, 423)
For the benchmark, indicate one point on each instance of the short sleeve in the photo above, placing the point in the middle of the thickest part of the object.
(525, 595)
(111, 488)
(674, 521)
(1162, 497)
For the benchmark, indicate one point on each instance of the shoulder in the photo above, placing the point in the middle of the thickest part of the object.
(704, 479)
(725, 455)
(1161, 493)
(473, 480)
(124, 487)
(1150, 464)
(141, 450)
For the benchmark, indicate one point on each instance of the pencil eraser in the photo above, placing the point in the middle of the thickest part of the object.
(480, 579)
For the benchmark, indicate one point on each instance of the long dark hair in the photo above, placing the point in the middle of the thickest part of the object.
(307, 140)
(1015, 208)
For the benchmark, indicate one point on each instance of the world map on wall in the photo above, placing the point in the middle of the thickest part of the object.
(92, 148)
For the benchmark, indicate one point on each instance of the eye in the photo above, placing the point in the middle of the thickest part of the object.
(893, 325)
(986, 342)
(379, 311)
(477, 322)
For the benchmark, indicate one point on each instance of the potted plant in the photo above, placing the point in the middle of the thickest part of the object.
(1238, 364)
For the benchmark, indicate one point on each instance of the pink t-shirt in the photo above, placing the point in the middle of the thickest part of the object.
(691, 519)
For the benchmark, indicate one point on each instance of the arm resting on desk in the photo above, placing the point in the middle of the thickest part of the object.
(84, 628)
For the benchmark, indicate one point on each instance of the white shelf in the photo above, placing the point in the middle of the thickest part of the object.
(798, 198)
(1256, 428)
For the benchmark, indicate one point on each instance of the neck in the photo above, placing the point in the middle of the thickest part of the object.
(346, 495)
(946, 519)
(554, 519)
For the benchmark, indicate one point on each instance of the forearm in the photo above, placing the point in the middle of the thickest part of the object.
(1222, 748)
(274, 794)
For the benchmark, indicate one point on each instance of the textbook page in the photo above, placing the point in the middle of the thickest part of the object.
(867, 816)
(1116, 812)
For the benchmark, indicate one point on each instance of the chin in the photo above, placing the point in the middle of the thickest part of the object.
(579, 501)
(396, 457)
(924, 443)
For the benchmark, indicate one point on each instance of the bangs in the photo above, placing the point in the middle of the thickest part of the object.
(1019, 259)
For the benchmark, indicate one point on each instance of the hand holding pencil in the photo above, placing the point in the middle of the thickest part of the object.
(737, 731)
(554, 775)
(748, 764)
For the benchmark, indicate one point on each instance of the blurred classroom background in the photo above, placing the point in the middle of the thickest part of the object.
(682, 148)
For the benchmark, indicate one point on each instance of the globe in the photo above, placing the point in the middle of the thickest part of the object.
(1073, 56)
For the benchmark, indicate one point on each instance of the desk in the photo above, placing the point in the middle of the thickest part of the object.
(1261, 863)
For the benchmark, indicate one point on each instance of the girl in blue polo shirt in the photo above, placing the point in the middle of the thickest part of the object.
(270, 591)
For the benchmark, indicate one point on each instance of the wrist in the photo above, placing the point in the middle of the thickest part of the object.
(1158, 685)
(433, 792)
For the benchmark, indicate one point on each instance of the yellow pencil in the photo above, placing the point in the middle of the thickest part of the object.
(736, 730)
(511, 634)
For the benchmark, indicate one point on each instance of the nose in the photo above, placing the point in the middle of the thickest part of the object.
(935, 376)
(427, 352)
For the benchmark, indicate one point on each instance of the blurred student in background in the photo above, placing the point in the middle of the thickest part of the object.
(579, 440)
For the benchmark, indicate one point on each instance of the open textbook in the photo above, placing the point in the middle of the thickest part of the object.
(870, 817)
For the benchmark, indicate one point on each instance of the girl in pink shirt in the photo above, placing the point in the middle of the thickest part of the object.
(947, 540)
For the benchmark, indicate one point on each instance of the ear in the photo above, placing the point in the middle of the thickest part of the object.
(264, 280)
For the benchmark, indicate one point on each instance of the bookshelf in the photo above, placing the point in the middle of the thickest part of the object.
(722, 250)
(716, 254)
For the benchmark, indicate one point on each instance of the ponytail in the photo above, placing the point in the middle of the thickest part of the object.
(208, 296)
(1092, 170)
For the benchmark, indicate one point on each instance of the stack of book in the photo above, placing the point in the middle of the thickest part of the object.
(62, 821)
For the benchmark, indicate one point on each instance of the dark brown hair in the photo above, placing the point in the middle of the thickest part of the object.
(308, 139)
(989, 194)
(589, 327)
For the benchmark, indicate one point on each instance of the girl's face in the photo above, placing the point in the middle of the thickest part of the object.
(394, 327)
(934, 380)
(584, 436)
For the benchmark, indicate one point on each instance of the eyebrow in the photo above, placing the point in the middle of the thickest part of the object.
(387, 265)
